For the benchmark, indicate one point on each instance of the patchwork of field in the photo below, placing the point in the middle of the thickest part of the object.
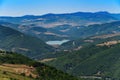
(17, 72)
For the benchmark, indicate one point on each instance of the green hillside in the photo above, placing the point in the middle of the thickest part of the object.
(102, 61)
(15, 41)
(10, 62)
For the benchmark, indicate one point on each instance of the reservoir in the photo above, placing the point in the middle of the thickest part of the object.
(56, 42)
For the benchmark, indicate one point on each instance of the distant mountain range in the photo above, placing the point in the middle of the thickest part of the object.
(74, 19)
(58, 26)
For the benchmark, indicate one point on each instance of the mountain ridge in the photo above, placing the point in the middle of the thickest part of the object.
(103, 12)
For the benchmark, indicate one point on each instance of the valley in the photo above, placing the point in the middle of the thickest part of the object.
(59, 39)
(74, 46)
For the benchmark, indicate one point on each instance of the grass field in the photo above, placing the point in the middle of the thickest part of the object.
(18, 72)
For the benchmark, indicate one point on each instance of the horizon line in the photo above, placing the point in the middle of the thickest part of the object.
(58, 13)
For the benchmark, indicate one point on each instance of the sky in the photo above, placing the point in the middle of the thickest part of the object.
(40, 7)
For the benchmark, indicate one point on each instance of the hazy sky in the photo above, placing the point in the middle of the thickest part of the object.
(38, 7)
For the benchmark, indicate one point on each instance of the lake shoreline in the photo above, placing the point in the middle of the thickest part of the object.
(57, 42)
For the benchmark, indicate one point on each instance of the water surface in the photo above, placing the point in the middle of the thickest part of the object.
(56, 42)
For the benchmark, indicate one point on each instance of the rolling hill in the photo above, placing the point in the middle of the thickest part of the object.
(18, 67)
(50, 26)
(94, 34)
(93, 60)
(16, 41)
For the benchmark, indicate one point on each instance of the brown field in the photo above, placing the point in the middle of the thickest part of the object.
(19, 69)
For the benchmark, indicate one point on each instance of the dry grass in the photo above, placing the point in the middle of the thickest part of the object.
(109, 43)
(19, 69)
(47, 60)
